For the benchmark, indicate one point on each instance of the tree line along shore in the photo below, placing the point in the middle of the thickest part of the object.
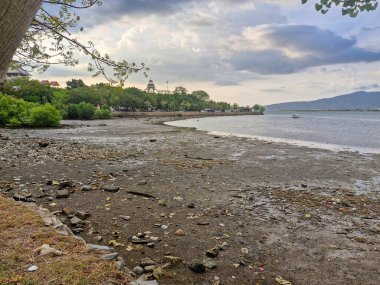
(30, 103)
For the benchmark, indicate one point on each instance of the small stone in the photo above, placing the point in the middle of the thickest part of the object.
(43, 144)
(197, 266)
(82, 215)
(39, 194)
(18, 197)
(151, 244)
(65, 184)
(138, 270)
(109, 256)
(112, 189)
(179, 232)
(146, 261)
(162, 203)
(120, 265)
(142, 182)
(33, 268)
(213, 253)
(172, 260)
(99, 238)
(78, 230)
(157, 272)
(76, 222)
(244, 250)
(149, 268)
(99, 247)
(67, 211)
(62, 194)
(209, 263)
(153, 140)
(86, 188)
(191, 206)
(125, 218)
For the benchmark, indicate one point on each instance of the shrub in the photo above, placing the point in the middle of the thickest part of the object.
(45, 116)
(103, 113)
(17, 113)
(14, 112)
(72, 111)
(86, 111)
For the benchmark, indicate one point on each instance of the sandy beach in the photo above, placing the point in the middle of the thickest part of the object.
(262, 212)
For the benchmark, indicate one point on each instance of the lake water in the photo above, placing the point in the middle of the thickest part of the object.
(344, 130)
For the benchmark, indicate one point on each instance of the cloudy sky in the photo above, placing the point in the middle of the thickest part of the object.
(243, 51)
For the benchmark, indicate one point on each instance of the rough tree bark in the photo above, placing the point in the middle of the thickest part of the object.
(15, 19)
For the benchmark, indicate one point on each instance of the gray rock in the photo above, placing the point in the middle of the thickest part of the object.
(99, 238)
(109, 256)
(65, 184)
(120, 265)
(142, 182)
(191, 206)
(76, 222)
(18, 197)
(78, 230)
(82, 215)
(197, 266)
(146, 261)
(149, 268)
(142, 282)
(39, 194)
(209, 263)
(213, 252)
(86, 188)
(99, 247)
(62, 194)
(138, 270)
(110, 188)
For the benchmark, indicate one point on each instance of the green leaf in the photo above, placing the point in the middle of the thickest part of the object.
(318, 7)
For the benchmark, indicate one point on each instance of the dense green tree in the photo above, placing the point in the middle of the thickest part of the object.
(85, 94)
(86, 111)
(74, 83)
(28, 90)
(180, 90)
(256, 107)
(45, 116)
(349, 7)
(201, 95)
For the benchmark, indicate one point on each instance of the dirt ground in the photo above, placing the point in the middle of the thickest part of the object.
(268, 210)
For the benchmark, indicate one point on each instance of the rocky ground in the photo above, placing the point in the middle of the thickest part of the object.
(184, 207)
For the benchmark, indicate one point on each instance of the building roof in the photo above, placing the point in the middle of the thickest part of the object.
(54, 83)
(17, 72)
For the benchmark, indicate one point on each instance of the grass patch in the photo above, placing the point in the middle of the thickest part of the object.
(22, 231)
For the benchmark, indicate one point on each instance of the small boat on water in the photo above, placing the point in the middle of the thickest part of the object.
(296, 116)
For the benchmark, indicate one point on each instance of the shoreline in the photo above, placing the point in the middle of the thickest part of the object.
(181, 114)
(269, 209)
(301, 143)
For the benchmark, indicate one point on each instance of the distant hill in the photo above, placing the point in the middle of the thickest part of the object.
(358, 100)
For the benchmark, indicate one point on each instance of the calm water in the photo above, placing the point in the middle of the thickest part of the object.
(332, 130)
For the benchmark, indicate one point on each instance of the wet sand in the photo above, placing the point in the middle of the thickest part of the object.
(308, 215)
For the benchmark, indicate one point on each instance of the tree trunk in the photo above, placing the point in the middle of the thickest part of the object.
(15, 19)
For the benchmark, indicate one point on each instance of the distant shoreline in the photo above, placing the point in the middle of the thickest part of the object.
(319, 110)
(180, 114)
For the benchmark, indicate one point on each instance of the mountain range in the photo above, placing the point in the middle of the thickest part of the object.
(360, 100)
